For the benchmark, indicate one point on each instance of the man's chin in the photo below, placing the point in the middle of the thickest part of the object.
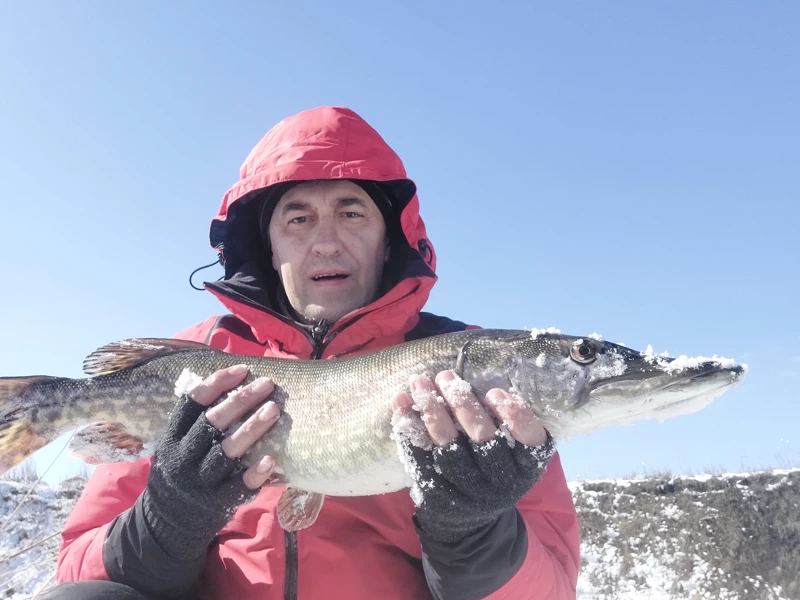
(315, 313)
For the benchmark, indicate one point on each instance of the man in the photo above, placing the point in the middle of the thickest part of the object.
(325, 255)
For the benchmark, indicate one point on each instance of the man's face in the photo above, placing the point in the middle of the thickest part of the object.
(329, 247)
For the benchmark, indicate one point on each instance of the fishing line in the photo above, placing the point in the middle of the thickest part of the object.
(19, 577)
(24, 499)
(31, 547)
(41, 589)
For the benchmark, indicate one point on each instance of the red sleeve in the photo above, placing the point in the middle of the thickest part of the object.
(111, 490)
(550, 570)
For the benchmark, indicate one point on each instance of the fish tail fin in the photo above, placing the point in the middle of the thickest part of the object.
(18, 437)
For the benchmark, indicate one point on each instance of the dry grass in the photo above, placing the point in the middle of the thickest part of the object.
(719, 537)
(724, 537)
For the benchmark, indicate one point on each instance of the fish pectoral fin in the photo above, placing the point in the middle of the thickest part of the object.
(105, 442)
(127, 354)
(461, 360)
(298, 509)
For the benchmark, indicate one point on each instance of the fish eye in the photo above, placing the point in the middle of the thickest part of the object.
(583, 352)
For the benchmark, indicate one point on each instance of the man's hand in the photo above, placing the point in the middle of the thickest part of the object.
(196, 482)
(472, 472)
(229, 411)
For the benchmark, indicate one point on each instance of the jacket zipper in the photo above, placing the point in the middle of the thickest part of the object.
(318, 335)
(290, 580)
(290, 537)
(322, 336)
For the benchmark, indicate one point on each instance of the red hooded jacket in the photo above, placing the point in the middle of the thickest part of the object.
(360, 547)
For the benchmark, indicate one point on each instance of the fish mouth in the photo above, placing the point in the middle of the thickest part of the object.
(712, 374)
(736, 370)
(650, 377)
(650, 393)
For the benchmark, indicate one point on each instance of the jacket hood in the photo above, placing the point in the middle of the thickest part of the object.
(322, 143)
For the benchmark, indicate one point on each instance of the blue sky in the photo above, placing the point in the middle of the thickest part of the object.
(625, 168)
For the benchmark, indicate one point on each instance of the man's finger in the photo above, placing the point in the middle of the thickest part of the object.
(234, 407)
(248, 434)
(258, 474)
(402, 403)
(217, 384)
(433, 411)
(520, 421)
(407, 424)
(474, 419)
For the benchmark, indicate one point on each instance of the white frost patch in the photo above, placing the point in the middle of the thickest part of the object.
(411, 428)
(424, 400)
(774, 486)
(650, 355)
(138, 344)
(148, 449)
(186, 382)
(684, 362)
(300, 502)
(458, 390)
(95, 450)
(672, 512)
(408, 430)
(537, 332)
(505, 431)
(485, 447)
(610, 365)
(596, 336)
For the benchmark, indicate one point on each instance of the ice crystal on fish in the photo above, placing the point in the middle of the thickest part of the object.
(138, 344)
(186, 382)
(537, 332)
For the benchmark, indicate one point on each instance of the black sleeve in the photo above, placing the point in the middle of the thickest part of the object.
(478, 565)
(133, 557)
(483, 563)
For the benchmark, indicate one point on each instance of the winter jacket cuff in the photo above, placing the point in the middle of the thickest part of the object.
(132, 556)
(478, 565)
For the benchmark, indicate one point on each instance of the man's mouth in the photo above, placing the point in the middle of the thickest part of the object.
(333, 276)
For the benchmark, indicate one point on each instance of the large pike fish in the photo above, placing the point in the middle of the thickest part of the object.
(334, 435)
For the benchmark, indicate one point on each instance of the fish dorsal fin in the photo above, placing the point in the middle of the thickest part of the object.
(298, 509)
(105, 442)
(126, 354)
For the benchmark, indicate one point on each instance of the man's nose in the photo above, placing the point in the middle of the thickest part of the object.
(326, 239)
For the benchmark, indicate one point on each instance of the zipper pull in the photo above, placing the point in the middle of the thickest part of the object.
(318, 333)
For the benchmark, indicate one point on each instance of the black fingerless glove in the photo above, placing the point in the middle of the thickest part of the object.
(462, 488)
(193, 488)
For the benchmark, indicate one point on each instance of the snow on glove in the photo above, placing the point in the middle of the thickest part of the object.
(193, 488)
(463, 487)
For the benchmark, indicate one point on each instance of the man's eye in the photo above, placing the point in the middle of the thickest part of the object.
(352, 215)
(299, 220)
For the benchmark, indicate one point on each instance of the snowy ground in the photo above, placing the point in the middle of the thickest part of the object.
(735, 536)
(731, 537)
(29, 537)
